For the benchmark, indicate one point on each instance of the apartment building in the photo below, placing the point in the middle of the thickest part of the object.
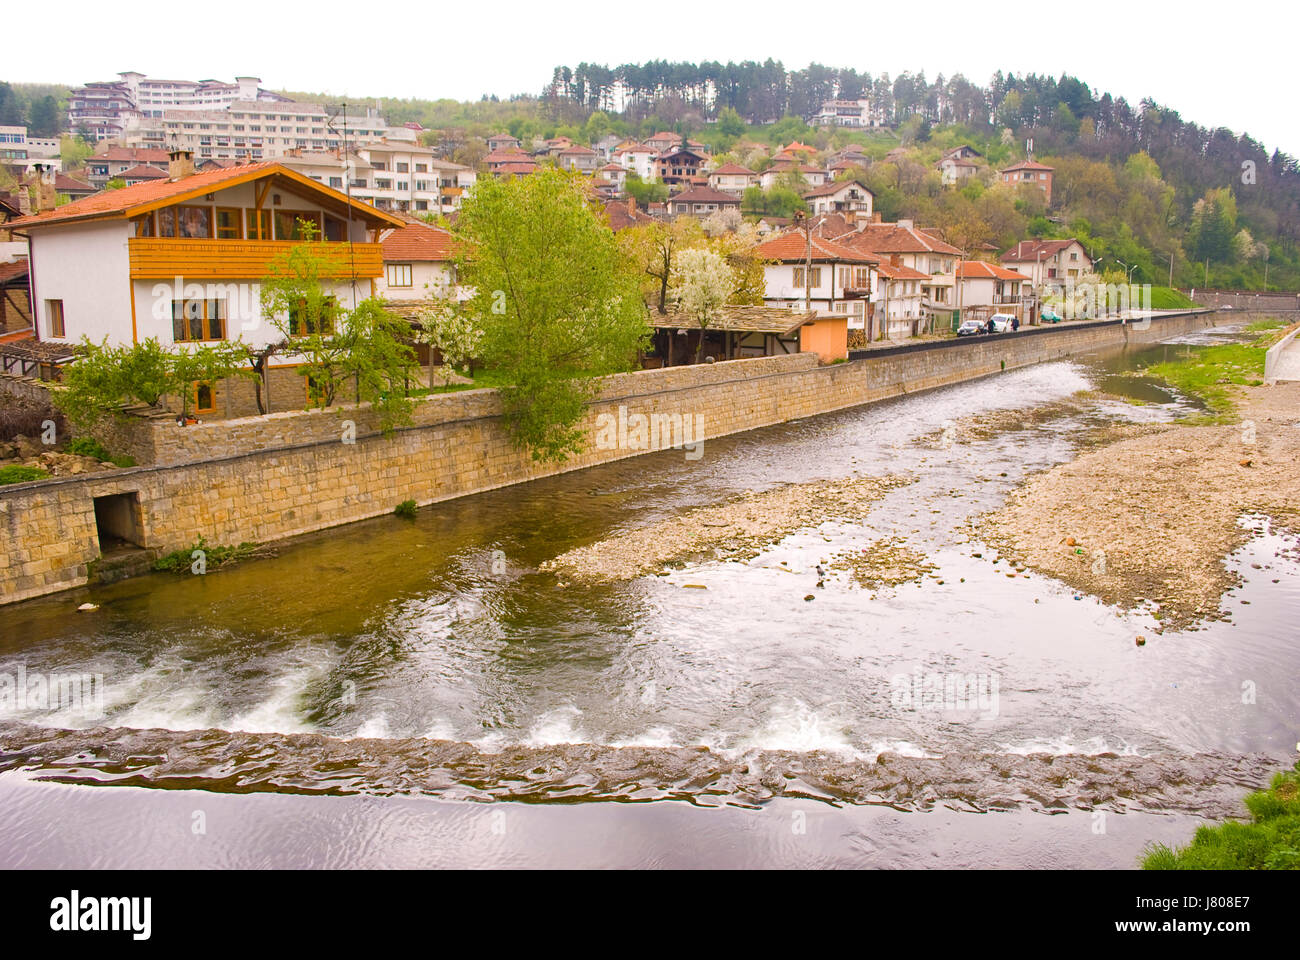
(103, 110)
(401, 178)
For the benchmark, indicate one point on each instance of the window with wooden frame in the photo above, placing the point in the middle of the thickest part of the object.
(205, 396)
(144, 226)
(198, 320)
(54, 314)
(166, 222)
(336, 230)
(258, 223)
(308, 318)
(230, 223)
(292, 224)
(315, 391)
(399, 274)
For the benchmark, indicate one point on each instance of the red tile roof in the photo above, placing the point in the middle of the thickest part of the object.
(65, 184)
(419, 241)
(900, 272)
(151, 194)
(792, 247)
(895, 238)
(14, 270)
(143, 172)
(1026, 165)
(983, 270)
(835, 186)
(1028, 250)
(732, 169)
(132, 155)
(704, 195)
(623, 214)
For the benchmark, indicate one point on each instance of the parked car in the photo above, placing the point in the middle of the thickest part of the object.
(970, 328)
(1049, 316)
(1002, 322)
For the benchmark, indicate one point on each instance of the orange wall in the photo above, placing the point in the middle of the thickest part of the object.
(828, 337)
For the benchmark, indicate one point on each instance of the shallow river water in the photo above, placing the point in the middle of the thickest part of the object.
(431, 659)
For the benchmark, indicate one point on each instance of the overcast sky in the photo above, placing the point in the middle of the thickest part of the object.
(1217, 64)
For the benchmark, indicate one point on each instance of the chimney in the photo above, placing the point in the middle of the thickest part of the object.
(906, 224)
(180, 163)
(45, 198)
(895, 259)
(631, 204)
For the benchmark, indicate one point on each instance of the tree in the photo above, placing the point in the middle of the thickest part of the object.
(702, 282)
(556, 300)
(730, 123)
(652, 250)
(103, 379)
(43, 118)
(644, 193)
(364, 346)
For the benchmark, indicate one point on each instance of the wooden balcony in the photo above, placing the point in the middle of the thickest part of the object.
(168, 257)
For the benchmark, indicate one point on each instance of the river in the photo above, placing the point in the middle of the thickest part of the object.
(371, 683)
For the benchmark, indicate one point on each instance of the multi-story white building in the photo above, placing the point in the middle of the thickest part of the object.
(256, 131)
(103, 110)
(848, 113)
(390, 176)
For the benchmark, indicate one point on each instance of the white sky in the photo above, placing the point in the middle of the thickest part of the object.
(1217, 64)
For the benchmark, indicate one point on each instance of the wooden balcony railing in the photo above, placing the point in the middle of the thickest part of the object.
(168, 257)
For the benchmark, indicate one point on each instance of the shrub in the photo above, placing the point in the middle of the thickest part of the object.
(23, 420)
(405, 509)
(19, 474)
(87, 447)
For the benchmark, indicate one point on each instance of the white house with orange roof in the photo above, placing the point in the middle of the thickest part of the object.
(181, 260)
(1030, 173)
(732, 178)
(984, 284)
(829, 277)
(918, 249)
(419, 263)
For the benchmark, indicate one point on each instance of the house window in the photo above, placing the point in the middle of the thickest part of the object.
(315, 391)
(54, 311)
(336, 182)
(403, 168)
(308, 318)
(205, 397)
(399, 274)
(144, 225)
(194, 222)
(230, 224)
(259, 224)
(294, 224)
(197, 320)
(861, 278)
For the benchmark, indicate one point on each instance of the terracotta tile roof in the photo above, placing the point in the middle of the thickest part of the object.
(899, 272)
(732, 169)
(132, 155)
(1028, 250)
(66, 184)
(149, 194)
(983, 270)
(622, 214)
(143, 172)
(504, 155)
(14, 270)
(1026, 165)
(704, 195)
(418, 241)
(895, 238)
(578, 152)
(793, 248)
(835, 186)
(518, 167)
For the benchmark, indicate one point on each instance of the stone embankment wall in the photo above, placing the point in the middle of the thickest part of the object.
(267, 478)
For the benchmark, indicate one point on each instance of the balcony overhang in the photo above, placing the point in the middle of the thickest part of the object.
(164, 258)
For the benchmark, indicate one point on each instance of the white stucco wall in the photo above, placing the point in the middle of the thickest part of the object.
(87, 266)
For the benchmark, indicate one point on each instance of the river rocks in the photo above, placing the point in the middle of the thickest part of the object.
(1161, 506)
(885, 563)
(87, 607)
(737, 529)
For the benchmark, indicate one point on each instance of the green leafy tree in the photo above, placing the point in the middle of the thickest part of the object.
(556, 300)
(452, 332)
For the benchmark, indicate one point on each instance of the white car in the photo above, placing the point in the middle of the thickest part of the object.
(1002, 322)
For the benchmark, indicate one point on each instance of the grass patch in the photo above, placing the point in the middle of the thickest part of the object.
(15, 473)
(90, 447)
(481, 378)
(1263, 326)
(1270, 841)
(405, 509)
(1167, 298)
(180, 561)
(1208, 373)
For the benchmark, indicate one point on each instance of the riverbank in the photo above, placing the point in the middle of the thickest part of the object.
(1147, 520)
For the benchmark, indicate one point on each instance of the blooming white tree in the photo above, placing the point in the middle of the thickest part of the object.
(451, 332)
(702, 283)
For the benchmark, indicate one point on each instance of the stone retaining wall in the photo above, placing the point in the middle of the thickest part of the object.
(278, 476)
